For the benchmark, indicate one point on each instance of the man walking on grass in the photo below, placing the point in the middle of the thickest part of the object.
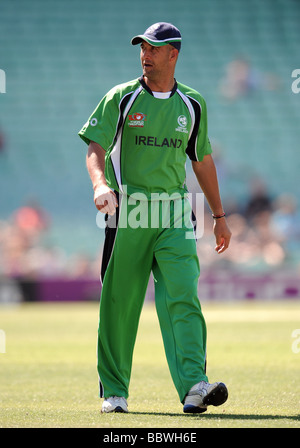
(139, 138)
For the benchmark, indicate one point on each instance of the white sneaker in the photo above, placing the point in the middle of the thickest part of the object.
(114, 404)
(204, 394)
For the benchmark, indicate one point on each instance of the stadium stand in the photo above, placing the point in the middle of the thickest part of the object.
(61, 56)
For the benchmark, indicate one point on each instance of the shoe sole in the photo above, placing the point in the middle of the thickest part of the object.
(117, 409)
(217, 396)
(190, 409)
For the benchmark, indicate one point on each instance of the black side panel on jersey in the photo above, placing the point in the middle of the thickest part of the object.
(191, 149)
(128, 98)
(123, 103)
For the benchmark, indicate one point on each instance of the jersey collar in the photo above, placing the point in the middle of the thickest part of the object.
(144, 85)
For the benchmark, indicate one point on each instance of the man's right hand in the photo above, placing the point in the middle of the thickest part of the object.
(105, 200)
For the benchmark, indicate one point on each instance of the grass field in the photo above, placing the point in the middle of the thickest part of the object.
(48, 375)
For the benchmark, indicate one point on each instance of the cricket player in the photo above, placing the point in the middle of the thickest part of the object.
(139, 138)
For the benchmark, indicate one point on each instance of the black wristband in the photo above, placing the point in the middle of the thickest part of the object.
(218, 216)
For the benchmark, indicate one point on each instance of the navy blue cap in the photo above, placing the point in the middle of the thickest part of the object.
(159, 34)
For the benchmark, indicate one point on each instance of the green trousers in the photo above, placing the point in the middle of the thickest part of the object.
(135, 245)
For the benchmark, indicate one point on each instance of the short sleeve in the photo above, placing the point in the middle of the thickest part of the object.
(102, 124)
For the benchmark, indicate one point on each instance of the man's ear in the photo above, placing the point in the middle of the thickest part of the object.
(173, 54)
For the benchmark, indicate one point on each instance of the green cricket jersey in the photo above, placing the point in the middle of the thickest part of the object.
(147, 139)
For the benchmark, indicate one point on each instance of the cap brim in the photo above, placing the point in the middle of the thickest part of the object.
(138, 39)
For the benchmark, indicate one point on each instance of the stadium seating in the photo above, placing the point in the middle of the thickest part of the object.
(61, 56)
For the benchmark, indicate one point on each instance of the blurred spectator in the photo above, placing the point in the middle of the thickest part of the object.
(253, 246)
(31, 219)
(241, 80)
(259, 200)
(25, 254)
(285, 219)
(266, 236)
(285, 224)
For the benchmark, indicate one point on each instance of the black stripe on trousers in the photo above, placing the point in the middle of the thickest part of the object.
(110, 236)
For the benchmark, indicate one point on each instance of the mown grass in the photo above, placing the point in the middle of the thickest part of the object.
(48, 376)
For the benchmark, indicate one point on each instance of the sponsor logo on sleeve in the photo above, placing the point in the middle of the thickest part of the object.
(93, 121)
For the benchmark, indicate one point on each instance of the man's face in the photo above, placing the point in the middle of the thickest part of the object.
(157, 61)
